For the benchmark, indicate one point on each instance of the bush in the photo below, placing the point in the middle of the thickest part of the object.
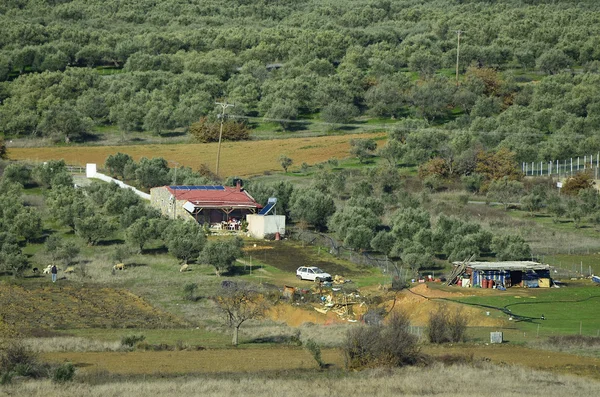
(16, 359)
(189, 291)
(131, 340)
(446, 327)
(208, 131)
(2, 148)
(315, 350)
(16, 355)
(64, 373)
(385, 345)
(580, 181)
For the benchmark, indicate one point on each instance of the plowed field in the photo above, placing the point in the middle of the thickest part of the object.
(237, 158)
(66, 307)
(285, 358)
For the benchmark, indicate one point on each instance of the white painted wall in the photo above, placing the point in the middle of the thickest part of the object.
(91, 172)
(259, 225)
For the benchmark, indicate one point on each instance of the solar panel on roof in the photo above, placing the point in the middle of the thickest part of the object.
(266, 210)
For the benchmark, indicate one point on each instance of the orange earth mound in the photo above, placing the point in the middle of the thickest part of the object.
(418, 308)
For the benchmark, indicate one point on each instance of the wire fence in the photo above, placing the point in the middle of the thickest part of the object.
(564, 168)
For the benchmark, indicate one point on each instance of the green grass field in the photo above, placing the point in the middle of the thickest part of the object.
(566, 310)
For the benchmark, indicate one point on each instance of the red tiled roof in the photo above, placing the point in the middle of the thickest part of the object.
(227, 197)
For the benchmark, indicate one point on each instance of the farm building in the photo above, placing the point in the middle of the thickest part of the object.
(219, 207)
(502, 274)
(212, 205)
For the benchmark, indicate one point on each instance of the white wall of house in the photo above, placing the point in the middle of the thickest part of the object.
(259, 225)
(91, 172)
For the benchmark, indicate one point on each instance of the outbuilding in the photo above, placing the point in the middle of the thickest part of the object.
(504, 274)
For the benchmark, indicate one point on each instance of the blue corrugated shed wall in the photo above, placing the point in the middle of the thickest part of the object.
(499, 276)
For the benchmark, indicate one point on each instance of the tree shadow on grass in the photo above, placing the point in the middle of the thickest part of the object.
(276, 339)
(155, 251)
(105, 243)
(172, 134)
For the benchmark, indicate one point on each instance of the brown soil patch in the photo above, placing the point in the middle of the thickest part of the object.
(237, 158)
(423, 289)
(422, 301)
(67, 307)
(288, 358)
(418, 308)
(204, 361)
(294, 316)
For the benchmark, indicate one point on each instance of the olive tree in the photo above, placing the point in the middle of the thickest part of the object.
(184, 240)
(312, 206)
(221, 254)
(240, 303)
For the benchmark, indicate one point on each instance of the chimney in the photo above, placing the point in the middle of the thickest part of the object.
(238, 185)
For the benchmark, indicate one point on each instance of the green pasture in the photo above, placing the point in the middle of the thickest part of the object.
(567, 311)
(575, 263)
(191, 336)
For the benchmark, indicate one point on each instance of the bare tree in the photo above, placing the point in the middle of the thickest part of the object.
(239, 303)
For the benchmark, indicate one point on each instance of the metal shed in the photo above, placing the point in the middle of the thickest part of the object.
(506, 274)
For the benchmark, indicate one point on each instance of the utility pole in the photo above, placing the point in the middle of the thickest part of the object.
(175, 186)
(224, 105)
(458, 32)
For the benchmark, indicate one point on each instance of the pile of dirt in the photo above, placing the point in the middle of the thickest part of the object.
(419, 302)
(423, 289)
(295, 316)
(58, 307)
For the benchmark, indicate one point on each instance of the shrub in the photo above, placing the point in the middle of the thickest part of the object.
(16, 359)
(434, 167)
(2, 148)
(580, 181)
(131, 340)
(190, 291)
(446, 327)
(315, 350)
(208, 131)
(64, 373)
(382, 345)
(16, 355)
(6, 377)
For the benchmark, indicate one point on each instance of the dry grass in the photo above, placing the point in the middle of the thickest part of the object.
(324, 335)
(70, 344)
(574, 344)
(237, 158)
(444, 381)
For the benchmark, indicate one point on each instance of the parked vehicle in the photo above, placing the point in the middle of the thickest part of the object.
(312, 273)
